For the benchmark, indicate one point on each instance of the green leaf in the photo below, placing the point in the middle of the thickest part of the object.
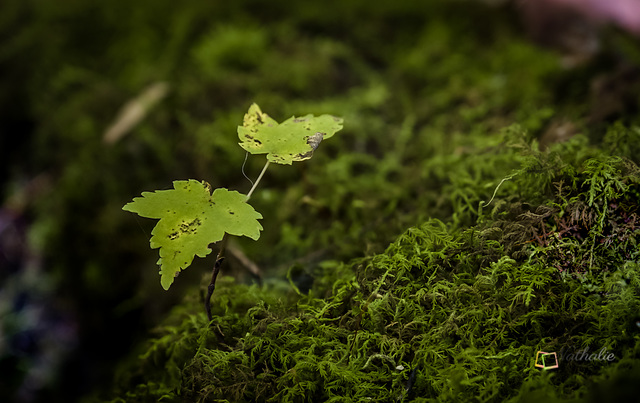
(292, 140)
(190, 219)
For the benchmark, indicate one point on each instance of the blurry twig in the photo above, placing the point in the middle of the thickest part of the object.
(134, 111)
(247, 263)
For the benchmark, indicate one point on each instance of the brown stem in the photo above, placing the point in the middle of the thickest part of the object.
(220, 258)
(214, 275)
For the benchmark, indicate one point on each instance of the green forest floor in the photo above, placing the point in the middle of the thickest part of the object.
(481, 204)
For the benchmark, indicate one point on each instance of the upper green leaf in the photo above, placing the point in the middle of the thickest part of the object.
(190, 219)
(292, 140)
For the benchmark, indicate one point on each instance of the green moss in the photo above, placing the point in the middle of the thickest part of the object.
(404, 281)
(456, 313)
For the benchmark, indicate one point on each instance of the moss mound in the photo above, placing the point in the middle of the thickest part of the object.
(445, 313)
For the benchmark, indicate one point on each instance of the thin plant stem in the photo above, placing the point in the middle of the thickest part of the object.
(496, 190)
(214, 275)
(220, 258)
(255, 185)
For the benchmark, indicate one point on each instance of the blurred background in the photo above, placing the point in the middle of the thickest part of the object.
(101, 100)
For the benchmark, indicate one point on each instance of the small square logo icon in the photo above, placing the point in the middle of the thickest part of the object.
(546, 360)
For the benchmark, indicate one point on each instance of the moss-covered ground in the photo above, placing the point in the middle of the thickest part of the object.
(445, 313)
(481, 204)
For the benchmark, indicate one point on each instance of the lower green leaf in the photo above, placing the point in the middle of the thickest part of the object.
(191, 218)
